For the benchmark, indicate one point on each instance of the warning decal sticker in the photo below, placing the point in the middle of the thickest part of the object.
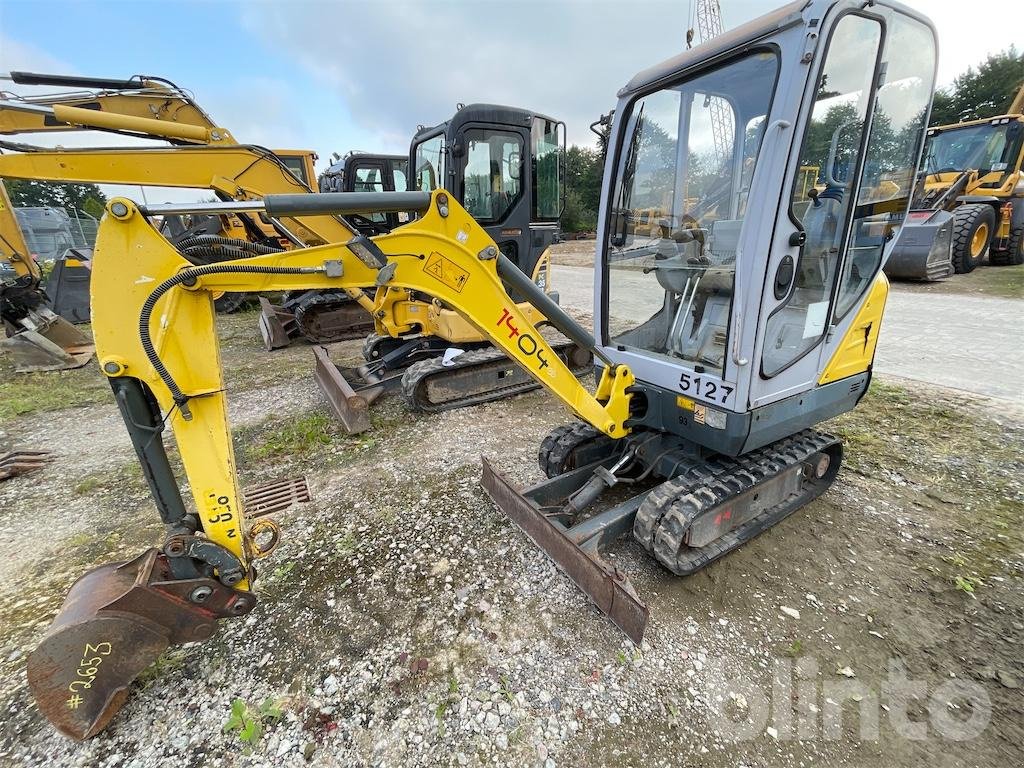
(447, 271)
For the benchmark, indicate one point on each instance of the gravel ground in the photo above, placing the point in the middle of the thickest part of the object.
(405, 622)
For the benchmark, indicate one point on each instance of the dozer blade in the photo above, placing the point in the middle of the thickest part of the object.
(575, 549)
(274, 324)
(116, 621)
(32, 351)
(351, 407)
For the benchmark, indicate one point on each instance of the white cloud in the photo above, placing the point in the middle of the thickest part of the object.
(401, 63)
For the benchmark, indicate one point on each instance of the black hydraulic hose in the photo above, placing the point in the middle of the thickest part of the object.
(188, 277)
(201, 254)
(232, 242)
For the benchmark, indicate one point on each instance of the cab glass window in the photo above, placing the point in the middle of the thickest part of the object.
(897, 130)
(400, 172)
(493, 174)
(548, 137)
(429, 164)
(678, 203)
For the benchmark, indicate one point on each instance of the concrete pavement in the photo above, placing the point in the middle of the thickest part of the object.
(974, 343)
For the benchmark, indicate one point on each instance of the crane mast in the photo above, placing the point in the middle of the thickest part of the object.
(709, 25)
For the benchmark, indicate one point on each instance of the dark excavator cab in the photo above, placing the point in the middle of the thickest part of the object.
(367, 172)
(504, 164)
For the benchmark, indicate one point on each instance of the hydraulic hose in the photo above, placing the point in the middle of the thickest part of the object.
(231, 242)
(188, 277)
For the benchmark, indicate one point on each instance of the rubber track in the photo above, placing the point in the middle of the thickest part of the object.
(414, 380)
(558, 446)
(327, 300)
(668, 511)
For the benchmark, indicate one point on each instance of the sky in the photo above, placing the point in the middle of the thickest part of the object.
(340, 75)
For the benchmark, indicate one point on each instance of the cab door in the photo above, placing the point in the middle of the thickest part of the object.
(814, 224)
(863, 135)
(493, 185)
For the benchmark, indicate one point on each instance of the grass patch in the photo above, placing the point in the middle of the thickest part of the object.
(127, 477)
(26, 393)
(298, 437)
(953, 460)
(1007, 282)
(1004, 282)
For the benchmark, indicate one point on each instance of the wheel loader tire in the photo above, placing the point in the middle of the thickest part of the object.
(973, 225)
(1014, 253)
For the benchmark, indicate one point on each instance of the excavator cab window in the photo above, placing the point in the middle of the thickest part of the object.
(833, 141)
(990, 148)
(863, 185)
(678, 206)
(400, 175)
(548, 137)
(492, 177)
(429, 161)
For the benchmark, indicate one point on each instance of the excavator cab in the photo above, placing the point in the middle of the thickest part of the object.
(366, 172)
(504, 164)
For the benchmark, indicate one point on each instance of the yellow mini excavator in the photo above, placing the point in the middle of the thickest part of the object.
(720, 343)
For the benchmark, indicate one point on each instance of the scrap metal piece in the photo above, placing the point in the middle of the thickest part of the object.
(575, 549)
(116, 621)
(275, 496)
(19, 462)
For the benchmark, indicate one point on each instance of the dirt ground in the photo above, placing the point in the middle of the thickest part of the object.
(404, 621)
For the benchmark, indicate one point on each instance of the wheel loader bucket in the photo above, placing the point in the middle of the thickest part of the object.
(116, 621)
(922, 250)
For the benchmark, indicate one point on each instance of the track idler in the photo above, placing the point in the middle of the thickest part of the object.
(116, 621)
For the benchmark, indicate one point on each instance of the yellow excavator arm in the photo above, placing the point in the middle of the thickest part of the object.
(144, 105)
(13, 247)
(153, 319)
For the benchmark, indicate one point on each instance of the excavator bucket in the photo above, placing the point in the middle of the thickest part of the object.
(275, 324)
(116, 621)
(575, 548)
(51, 344)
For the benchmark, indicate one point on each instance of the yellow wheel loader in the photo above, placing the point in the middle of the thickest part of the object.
(974, 185)
(720, 346)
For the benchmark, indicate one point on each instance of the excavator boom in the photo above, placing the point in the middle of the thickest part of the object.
(153, 321)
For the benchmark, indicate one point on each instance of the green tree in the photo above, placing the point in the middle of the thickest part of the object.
(583, 171)
(28, 193)
(981, 93)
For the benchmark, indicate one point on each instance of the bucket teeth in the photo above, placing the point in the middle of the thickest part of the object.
(116, 621)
